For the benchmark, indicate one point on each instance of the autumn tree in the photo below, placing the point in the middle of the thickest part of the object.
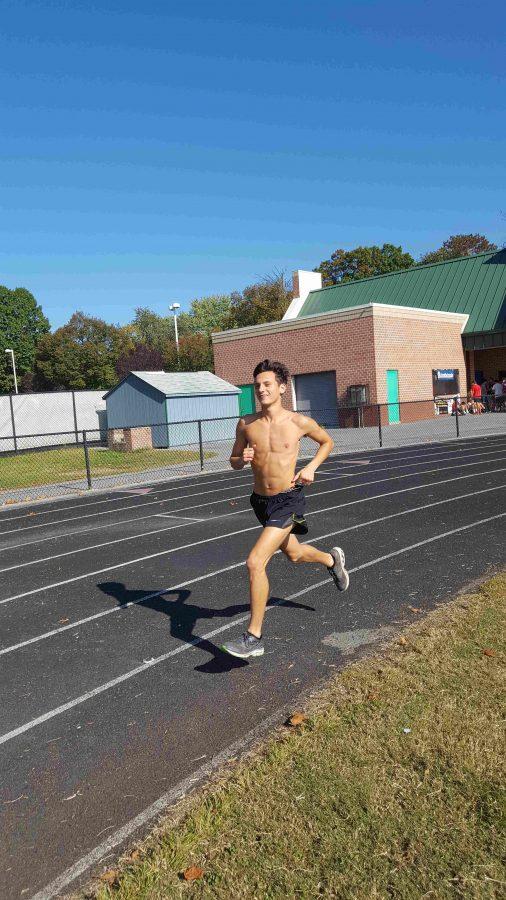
(266, 301)
(195, 354)
(22, 324)
(363, 262)
(139, 359)
(82, 354)
(458, 245)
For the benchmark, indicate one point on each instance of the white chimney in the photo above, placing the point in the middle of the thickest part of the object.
(303, 282)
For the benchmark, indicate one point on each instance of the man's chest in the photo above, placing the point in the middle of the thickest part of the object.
(271, 437)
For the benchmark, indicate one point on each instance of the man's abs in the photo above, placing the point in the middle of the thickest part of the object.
(273, 472)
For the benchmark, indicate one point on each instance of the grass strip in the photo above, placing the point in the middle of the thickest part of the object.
(67, 463)
(392, 787)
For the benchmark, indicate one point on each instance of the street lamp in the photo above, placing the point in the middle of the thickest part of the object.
(13, 369)
(173, 308)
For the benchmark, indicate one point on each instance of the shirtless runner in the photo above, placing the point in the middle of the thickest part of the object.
(269, 441)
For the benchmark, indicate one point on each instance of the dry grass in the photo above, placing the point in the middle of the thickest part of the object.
(349, 805)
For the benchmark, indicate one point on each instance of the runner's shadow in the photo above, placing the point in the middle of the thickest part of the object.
(183, 617)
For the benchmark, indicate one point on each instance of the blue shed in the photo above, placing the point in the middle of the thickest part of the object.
(166, 401)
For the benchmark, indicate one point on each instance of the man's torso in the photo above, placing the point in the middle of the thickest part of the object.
(276, 450)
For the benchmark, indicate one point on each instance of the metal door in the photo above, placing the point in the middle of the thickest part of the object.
(316, 396)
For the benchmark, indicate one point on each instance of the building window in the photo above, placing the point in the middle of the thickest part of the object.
(445, 381)
(358, 395)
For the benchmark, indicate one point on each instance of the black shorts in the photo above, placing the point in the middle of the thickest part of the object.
(282, 510)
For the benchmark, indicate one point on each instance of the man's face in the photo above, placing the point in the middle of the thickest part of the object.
(268, 389)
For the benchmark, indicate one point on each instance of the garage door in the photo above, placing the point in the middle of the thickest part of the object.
(316, 396)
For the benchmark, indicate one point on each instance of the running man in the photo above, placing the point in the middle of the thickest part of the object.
(269, 442)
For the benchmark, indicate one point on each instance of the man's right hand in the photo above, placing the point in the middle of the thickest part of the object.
(248, 454)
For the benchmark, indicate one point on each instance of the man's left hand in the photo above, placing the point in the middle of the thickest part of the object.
(305, 476)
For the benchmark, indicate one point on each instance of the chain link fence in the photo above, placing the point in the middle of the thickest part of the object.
(52, 465)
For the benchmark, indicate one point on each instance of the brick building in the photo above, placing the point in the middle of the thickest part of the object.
(403, 338)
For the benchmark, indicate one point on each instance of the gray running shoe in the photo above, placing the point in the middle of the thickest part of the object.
(245, 646)
(337, 572)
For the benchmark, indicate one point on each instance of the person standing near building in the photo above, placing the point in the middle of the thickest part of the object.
(269, 442)
(484, 394)
(498, 391)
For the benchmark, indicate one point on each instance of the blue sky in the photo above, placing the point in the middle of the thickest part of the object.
(166, 150)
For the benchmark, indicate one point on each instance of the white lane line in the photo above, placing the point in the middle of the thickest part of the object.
(167, 500)
(77, 701)
(175, 587)
(220, 537)
(175, 513)
(167, 516)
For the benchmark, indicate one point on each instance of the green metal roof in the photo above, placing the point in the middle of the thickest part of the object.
(470, 284)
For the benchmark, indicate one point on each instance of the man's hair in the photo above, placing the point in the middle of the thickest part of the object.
(270, 365)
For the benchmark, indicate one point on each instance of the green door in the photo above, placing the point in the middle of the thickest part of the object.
(246, 399)
(393, 395)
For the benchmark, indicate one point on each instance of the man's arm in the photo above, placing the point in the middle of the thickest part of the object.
(241, 454)
(318, 434)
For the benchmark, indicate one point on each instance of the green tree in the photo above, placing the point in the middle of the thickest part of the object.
(266, 301)
(459, 245)
(363, 262)
(206, 314)
(22, 324)
(151, 329)
(82, 354)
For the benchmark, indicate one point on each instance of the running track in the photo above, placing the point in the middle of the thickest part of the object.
(115, 698)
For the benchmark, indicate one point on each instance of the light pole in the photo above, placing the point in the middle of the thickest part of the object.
(13, 369)
(173, 308)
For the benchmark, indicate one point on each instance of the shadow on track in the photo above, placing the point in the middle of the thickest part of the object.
(183, 617)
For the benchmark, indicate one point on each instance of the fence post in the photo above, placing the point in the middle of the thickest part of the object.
(87, 460)
(75, 416)
(13, 425)
(457, 417)
(379, 426)
(201, 449)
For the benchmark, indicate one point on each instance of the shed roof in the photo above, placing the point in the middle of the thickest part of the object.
(475, 285)
(180, 384)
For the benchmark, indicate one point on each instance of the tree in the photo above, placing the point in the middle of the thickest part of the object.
(82, 354)
(151, 329)
(195, 354)
(266, 301)
(139, 359)
(459, 245)
(22, 324)
(363, 262)
(207, 314)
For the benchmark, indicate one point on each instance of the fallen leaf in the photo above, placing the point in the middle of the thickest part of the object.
(295, 719)
(488, 652)
(63, 621)
(372, 696)
(134, 855)
(109, 877)
(192, 873)
(402, 641)
(414, 609)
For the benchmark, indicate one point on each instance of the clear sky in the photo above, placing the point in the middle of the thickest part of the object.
(157, 151)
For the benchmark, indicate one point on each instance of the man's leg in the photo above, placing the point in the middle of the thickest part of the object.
(269, 541)
(305, 553)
